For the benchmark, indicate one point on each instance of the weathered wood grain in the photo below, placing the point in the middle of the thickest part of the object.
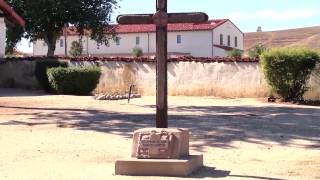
(196, 17)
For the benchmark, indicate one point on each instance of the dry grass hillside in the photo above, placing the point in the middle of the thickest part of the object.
(301, 37)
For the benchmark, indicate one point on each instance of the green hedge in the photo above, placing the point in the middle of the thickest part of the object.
(41, 71)
(74, 81)
(288, 70)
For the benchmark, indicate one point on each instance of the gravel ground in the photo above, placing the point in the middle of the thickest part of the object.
(70, 137)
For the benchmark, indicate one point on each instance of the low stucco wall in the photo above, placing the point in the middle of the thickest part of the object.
(314, 84)
(224, 79)
(18, 74)
(185, 78)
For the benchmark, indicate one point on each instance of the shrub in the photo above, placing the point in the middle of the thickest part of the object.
(257, 50)
(74, 81)
(75, 49)
(288, 71)
(235, 53)
(137, 52)
(41, 71)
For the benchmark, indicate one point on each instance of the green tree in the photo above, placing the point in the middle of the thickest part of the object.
(235, 53)
(45, 20)
(137, 52)
(257, 50)
(75, 49)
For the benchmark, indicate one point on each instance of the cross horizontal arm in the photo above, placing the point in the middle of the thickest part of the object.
(135, 19)
(196, 17)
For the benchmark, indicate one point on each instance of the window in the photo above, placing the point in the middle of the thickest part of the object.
(221, 39)
(137, 40)
(229, 40)
(179, 40)
(236, 41)
(117, 41)
(61, 42)
(44, 44)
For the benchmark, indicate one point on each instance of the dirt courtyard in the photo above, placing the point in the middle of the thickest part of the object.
(70, 137)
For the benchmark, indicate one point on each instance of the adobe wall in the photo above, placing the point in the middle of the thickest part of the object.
(185, 78)
(18, 74)
(223, 79)
(314, 84)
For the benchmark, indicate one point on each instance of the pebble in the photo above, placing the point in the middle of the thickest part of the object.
(101, 97)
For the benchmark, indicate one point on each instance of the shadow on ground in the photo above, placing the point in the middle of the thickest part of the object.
(214, 126)
(211, 172)
(13, 92)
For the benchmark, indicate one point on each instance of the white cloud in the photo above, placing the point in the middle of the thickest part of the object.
(273, 15)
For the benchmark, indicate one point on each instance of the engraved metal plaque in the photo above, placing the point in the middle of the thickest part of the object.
(154, 145)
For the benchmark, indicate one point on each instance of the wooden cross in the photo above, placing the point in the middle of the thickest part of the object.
(161, 19)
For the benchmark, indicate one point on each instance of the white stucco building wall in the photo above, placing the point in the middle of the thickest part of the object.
(2, 37)
(7, 15)
(228, 29)
(198, 43)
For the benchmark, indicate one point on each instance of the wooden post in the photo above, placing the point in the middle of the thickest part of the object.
(162, 87)
(161, 19)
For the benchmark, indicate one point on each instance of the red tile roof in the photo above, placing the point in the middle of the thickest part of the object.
(145, 28)
(10, 14)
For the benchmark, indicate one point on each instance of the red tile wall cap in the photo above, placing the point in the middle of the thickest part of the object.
(10, 14)
(137, 59)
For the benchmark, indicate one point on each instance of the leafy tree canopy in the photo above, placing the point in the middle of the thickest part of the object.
(235, 53)
(76, 49)
(46, 18)
(137, 52)
(257, 50)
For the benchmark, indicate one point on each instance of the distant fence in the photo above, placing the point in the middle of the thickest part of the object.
(223, 77)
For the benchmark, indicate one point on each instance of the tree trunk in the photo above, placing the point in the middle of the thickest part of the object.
(51, 42)
(51, 49)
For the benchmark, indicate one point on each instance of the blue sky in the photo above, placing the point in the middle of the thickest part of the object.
(246, 14)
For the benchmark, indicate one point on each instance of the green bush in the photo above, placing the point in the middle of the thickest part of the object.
(41, 71)
(75, 49)
(288, 70)
(74, 81)
(257, 50)
(137, 52)
(235, 53)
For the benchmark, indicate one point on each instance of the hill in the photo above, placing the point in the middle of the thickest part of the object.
(301, 37)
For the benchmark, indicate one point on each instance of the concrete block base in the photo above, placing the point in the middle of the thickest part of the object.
(159, 167)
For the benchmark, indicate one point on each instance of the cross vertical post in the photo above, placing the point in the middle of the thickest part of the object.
(162, 86)
(153, 139)
(161, 19)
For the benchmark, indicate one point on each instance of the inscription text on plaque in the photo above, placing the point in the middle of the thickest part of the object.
(154, 145)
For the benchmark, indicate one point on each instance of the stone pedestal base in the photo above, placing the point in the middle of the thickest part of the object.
(159, 167)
